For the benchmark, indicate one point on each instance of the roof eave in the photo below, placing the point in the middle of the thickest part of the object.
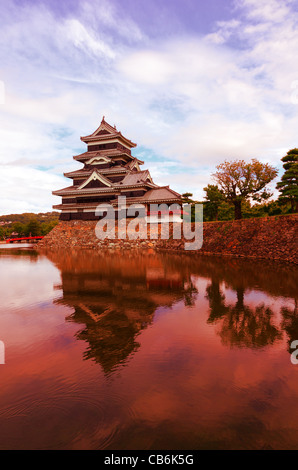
(118, 135)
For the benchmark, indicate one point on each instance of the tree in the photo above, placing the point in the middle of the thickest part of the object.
(186, 198)
(239, 181)
(214, 198)
(33, 228)
(288, 186)
(19, 228)
(47, 227)
(2, 233)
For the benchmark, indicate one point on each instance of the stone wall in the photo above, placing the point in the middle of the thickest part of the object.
(273, 238)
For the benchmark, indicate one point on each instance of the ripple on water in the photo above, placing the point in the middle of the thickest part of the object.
(82, 414)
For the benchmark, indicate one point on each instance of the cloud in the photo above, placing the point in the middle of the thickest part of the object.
(147, 67)
(26, 189)
(81, 38)
(224, 31)
(105, 14)
(192, 99)
(271, 11)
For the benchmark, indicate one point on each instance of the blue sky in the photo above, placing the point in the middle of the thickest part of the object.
(191, 82)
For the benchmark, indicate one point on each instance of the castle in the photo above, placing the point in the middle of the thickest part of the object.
(109, 172)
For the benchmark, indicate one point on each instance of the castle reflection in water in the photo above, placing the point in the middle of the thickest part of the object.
(114, 296)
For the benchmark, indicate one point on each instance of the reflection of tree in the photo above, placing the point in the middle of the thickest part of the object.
(250, 328)
(216, 301)
(21, 252)
(190, 294)
(241, 325)
(290, 323)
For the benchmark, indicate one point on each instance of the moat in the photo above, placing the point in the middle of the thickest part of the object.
(145, 350)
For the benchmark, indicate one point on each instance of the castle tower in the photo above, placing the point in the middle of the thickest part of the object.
(109, 171)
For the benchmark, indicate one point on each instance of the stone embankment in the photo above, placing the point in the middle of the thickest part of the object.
(272, 238)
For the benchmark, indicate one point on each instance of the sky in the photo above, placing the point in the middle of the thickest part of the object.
(192, 82)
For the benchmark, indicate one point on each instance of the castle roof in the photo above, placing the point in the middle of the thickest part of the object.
(106, 132)
(137, 177)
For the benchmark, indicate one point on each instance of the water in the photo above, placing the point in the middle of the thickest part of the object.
(146, 351)
(13, 246)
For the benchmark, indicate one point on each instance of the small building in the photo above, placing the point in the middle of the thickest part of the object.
(110, 171)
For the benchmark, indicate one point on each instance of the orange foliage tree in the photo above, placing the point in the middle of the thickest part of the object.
(240, 181)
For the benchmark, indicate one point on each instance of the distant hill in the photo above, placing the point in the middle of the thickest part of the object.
(27, 224)
(43, 217)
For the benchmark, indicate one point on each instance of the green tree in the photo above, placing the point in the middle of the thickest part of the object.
(47, 227)
(19, 228)
(5, 232)
(240, 181)
(288, 186)
(186, 198)
(214, 198)
(33, 228)
(2, 233)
